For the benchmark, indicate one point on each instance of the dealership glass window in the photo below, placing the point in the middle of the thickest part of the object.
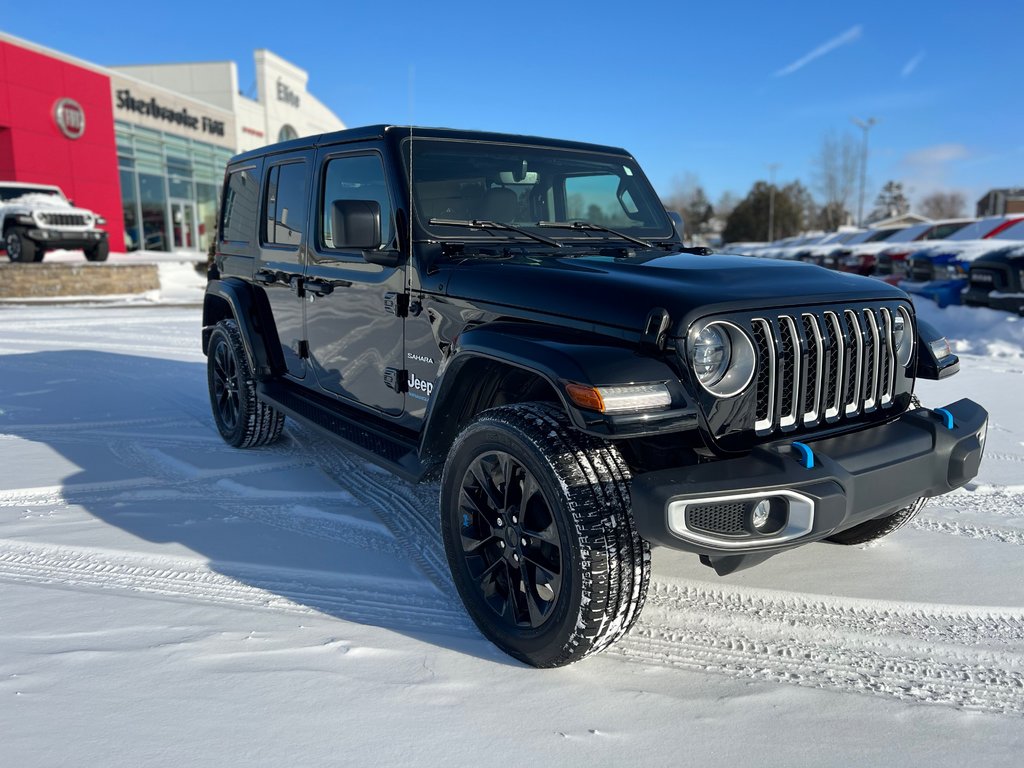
(153, 199)
(173, 169)
(130, 208)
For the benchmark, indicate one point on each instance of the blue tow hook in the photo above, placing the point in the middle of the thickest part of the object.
(947, 417)
(806, 455)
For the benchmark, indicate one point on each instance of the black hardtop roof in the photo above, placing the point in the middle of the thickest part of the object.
(368, 132)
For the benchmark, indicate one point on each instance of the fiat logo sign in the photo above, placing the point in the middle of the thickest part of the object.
(70, 118)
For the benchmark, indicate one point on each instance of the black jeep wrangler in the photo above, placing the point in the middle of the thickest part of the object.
(519, 317)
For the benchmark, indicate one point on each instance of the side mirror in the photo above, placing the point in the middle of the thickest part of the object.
(935, 360)
(355, 224)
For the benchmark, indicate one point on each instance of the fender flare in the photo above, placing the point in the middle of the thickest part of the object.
(556, 356)
(250, 309)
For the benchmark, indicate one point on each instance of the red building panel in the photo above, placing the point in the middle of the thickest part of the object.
(32, 146)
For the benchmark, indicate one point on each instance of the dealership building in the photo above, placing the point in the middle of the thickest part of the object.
(144, 146)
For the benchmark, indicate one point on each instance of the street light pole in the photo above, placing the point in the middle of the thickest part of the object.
(771, 201)
(864, 125)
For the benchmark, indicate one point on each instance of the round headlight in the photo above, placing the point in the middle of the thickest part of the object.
(722, 356)
(710, 353)
(902, 341)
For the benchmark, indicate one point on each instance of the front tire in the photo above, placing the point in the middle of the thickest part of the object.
(242, 419)
(98, 252)
(540, 540)
(20, 248)
(876, 529)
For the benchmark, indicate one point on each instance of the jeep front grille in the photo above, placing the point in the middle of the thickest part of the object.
(62, 219)
(823, 366)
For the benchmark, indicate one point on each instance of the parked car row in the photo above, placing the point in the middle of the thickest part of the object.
(979, 262)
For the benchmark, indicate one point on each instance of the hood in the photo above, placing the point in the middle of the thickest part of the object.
(621, 292)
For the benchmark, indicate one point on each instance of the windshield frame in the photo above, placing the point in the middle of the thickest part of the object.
(664, 232)
(22, 191)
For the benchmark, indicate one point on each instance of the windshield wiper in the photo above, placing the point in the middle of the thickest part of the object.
(481, 224)
(586, 225)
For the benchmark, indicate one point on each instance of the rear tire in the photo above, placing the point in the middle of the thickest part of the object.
(539, 536)
(20, 248)
(242, 419)
(99, 252)
(876, 529)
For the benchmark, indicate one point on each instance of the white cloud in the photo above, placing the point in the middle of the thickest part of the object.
(911, 65)
(929, 169)
(936, 154)
(849, 36)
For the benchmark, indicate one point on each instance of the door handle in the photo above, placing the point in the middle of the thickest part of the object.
(323, 287)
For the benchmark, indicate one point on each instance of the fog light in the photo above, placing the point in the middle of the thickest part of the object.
(761, 513)
(768, 516)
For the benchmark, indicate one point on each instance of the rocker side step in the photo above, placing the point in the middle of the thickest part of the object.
(387, 448)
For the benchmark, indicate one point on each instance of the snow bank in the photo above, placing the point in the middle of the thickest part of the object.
(975, 330)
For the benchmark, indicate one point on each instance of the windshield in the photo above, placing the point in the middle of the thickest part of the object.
(1013, 232)
(910, 233)
(882, 234)
(13, 193)
(526, 185)
(978, 229)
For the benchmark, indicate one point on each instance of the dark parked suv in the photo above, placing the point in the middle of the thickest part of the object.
(518, 318)
(996, 280)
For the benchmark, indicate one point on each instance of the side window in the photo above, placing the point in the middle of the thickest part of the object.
(594, 198)
(285, 205)
(238, 221)
(360, 177)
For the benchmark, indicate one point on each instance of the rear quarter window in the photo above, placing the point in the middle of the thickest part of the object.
(241, 198)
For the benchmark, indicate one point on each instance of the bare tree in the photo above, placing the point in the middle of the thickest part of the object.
(944, 205)
(690, 200)
(835, 176)
(726, 202)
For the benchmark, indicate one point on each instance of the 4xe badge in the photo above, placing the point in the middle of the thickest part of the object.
(70, 118)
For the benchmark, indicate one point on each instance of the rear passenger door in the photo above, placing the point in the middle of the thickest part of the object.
(353, 325)
(282, 252)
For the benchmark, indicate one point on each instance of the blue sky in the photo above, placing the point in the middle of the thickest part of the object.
(719, 90)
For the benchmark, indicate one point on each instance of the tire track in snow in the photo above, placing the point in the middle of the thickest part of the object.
(969, 530)
(970, 658)
(985, 683)
(409, 511)
(400, 605)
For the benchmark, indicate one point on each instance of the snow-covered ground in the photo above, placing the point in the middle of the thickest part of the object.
(168, 601)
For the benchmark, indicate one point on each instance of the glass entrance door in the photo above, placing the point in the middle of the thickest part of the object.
(183, 225)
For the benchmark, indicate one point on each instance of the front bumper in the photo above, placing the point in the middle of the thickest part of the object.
(1010, 302)
(58, 238)
(942, 292)
(854, 478)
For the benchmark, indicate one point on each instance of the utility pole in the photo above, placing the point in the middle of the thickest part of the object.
(771, 201)
(864, 125)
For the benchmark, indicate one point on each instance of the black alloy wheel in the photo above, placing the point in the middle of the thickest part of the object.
(225, 384)
(537, 528)
(510, 540)
(242, 419)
